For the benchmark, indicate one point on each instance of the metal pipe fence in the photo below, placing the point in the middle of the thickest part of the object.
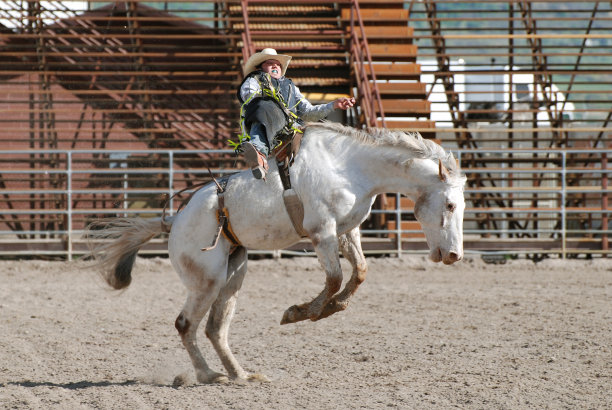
(48, 197)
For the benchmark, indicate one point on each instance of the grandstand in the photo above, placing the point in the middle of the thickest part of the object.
(108, 108)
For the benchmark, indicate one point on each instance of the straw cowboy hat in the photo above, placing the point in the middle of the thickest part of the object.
(266, 54)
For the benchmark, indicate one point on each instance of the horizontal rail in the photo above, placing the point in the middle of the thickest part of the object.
(554, 227)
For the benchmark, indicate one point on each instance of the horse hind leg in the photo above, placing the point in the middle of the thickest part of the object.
(350, 245)
(222, 312)
(199, 301)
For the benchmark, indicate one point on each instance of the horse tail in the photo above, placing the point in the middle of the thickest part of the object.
(119, 242)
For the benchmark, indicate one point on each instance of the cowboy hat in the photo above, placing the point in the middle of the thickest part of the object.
(266, 54)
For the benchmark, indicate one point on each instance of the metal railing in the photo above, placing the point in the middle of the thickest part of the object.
(537, 216)
(360, 58)
(542, 194)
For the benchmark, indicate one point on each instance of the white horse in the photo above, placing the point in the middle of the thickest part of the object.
(337, 174)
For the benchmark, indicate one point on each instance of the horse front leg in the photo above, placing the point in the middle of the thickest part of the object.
(327, 250)
(350, 245)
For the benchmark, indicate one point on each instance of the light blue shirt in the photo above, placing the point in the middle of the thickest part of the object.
(297, 103)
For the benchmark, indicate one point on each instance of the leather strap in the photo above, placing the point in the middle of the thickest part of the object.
(224, 226)
(295, 209)
(223, 214)
(292, 202)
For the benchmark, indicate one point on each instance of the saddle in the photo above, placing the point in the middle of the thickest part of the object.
(285, 151)
(287, 143)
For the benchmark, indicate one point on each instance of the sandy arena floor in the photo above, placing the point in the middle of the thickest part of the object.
(417, 335)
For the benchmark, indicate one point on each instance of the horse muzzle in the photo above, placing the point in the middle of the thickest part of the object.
(452, 257)
(448, 258)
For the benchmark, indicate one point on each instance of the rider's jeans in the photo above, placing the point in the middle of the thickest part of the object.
(259, 138)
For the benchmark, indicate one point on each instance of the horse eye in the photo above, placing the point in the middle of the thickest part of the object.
(451, 207)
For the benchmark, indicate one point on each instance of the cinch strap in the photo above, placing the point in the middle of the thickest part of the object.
(223, 217)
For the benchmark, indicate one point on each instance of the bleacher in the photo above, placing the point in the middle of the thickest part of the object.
(127, 103)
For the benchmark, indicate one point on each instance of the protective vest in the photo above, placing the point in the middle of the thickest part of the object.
(281, 92)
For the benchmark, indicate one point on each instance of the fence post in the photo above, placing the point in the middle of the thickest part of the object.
(398, 223)
(69, 202)
(170, 182)
(604, 205)
(563, 209)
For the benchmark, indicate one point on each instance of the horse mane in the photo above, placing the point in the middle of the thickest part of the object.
(417, 146)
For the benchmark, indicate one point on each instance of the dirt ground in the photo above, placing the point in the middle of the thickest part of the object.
(417, 335)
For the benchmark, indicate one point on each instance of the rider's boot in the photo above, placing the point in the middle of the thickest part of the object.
(256, 160)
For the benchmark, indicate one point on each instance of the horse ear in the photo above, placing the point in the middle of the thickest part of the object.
(443, 172)
(451, 157)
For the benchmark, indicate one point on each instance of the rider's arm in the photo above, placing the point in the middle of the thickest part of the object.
(308, 112)
(249, 88)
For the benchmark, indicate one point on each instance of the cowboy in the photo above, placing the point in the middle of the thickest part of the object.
(270, 103)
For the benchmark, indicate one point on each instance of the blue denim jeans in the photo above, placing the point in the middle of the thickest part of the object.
(259, 138)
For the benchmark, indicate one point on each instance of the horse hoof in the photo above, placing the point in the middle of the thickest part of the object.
(216, 378)
(293, 314)
(221, 379)
(179, 380)
(286, 317)
(257, 377)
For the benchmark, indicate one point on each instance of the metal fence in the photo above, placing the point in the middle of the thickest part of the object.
(512, 210)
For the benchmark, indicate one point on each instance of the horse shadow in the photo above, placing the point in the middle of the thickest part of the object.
(71, 385)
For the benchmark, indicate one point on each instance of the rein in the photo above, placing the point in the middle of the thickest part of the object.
(166, 225)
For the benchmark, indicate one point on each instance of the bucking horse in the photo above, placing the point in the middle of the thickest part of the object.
(336, 175)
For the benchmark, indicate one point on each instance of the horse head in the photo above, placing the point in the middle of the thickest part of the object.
(439, 209)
